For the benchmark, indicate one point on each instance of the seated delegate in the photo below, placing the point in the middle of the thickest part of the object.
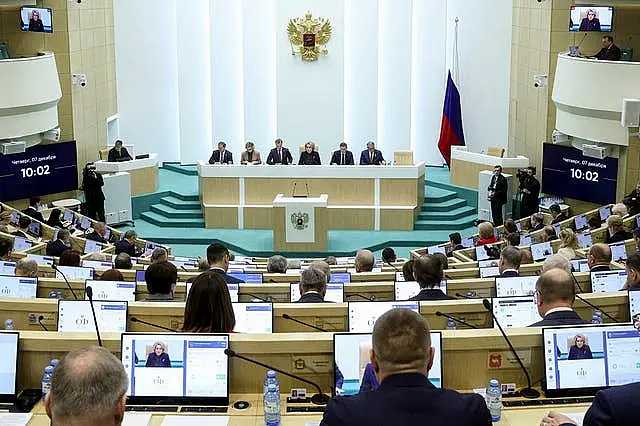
(309, 157)
(119, 153)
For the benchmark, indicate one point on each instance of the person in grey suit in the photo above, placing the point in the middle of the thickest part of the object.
(250, 155)
(221, 155)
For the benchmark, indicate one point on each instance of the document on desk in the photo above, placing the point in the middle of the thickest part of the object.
(15, 419)
(136, 419)
(577, 417)
(195, 421)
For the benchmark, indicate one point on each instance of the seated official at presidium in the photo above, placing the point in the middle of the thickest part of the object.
(279, 154)
(221, 155)
(119, 153)
(342, 157)
(309, 157)
(371, 156)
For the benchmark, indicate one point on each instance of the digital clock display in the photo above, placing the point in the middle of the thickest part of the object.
(40, 170)
(569, 173)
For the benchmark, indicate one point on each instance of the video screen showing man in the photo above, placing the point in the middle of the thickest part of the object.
(119, 153)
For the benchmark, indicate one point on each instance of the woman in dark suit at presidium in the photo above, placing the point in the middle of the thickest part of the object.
(309, 157)
(208, 308)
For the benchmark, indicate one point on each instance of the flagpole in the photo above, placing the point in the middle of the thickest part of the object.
(455, 66)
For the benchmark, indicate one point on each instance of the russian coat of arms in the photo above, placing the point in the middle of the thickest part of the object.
(300, 220)
(309, 36)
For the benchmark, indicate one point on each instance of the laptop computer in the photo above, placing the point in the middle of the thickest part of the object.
(351, 351)
(76, 316)
(362, 316)
(176, 369)
(584, 359)
(335, 292)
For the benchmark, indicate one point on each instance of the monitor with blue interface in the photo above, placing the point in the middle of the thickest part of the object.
(604, 212)
(526, 240)
(340, 277)
(182, 369)
(580, 222)
(253, 318)
(85, 223)
(618, 252)
(516, 286)
(42, 260)
(541, 251)
(95, 264)
(140, 276)
(634, 306)
(68, 216)
(74, 273)
(233, 291)
(91, 246)
(15, 217)
(363, 315)
(591, 18)
(185, 264)
(408, 289)
(608, 281)
(580, 265)
(21, 244)
(481, 253)
(35, 229)
(248, 278)
(76, 316)
(8, 366)
(584, 359)
(18, 287)
(512, 312)
(122, 291)
(437, 249)
(334, 293)
(468, 242)
(7, 268)
(353, 372)
(584, 239)
(489, 268)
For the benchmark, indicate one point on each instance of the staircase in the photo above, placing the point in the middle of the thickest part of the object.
(447, 208)
(176, 211)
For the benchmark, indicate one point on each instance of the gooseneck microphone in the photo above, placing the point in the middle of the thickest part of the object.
(89, 293)
(528, 392)
(290, 318)
(462, 296)
(362, 296)
(55, 268)
(40, 319)
(150, 324)
(319, 399)
(586, 302)
(262, 299)
(451, 317)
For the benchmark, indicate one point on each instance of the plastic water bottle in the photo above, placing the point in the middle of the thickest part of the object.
(270, 379)
(54, 363)
(9, 325)
(272, 406)
(597, 318)
(451, 324)
(494, 400)
(46, 380)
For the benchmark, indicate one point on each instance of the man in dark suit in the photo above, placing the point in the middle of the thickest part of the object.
(119, 153)
(371, 156)
(60, 245)
(632, 201)
(99, 231)
(613, 406)
(556, 214)
(599, 258)
(456, 241)
(509, 263)
(342, 157)
(537, 222)
(32, 210)
(221, 155)
(427, 271)
(609, 51)
(401, 357)
(497, 195)
(313, 286)
(23, 227)
(218, 257)
(128, 244)
(555, 292)
(279, 154)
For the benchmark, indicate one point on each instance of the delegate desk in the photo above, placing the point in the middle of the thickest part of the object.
(360, 197)
(144, 173)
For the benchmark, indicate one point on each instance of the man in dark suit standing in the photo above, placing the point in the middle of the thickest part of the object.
(599, 258)
(279, 154)
(371, 156)
(609, 51)
(555, 292)
(313, 286)
(119, 153)
(99, 231)
(613, 406)
(509, 263)
(32, 210)
(128, 244)
(497, 195)
(221, 155)
(218, 257)
(427, 271)
(401, 357)
(60, 245)
(342, 157)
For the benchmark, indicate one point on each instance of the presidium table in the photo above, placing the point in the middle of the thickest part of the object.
(357, 197)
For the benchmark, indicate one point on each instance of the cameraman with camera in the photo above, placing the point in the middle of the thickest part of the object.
(530, 190)
(92, 184)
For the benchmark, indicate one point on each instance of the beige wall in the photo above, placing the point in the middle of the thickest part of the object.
(83, 41)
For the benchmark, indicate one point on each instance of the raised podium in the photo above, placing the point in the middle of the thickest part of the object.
(300, 223)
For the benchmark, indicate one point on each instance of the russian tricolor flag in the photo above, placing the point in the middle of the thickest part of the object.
(451, 132)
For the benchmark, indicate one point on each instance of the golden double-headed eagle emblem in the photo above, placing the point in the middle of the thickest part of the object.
(309, 36)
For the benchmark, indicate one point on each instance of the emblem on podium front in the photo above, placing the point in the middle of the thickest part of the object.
(309, 36)
(300, 221)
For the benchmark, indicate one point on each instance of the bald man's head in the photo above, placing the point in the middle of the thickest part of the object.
(599, 254)
(364, 261)
(555, 289)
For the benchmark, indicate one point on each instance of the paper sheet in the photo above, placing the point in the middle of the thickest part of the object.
(15, 419)
(136, 419)
(196, 421)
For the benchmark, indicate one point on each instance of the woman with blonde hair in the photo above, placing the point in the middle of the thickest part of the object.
(250, 155)
(487, 236)
(616, 230)
(569, 244)
(159, 356)
(309, 157)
